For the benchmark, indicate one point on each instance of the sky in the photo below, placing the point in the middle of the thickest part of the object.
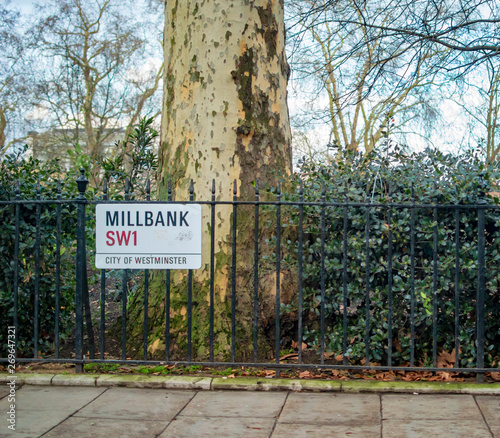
(24, 5)
(453, 135)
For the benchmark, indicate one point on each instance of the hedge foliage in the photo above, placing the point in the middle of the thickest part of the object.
(27, 172)
(424, 178)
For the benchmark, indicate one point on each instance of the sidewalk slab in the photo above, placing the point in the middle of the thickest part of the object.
(235, 404)
(33, 423)
(137, 404)
(490, 407)
(326, 430)
(53, 398)
(210, 427)
(332, 409)
(104, 428)
(40, 408)
(434, 428)
(460, 408)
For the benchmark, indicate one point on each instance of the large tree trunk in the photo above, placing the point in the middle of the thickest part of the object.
(224, 118)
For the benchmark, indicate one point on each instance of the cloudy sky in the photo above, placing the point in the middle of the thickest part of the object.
(453, 136)
(23, 5)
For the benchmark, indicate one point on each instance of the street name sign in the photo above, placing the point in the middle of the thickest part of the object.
(148, 236)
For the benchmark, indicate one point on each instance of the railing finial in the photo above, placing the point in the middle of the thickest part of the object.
(82, 183)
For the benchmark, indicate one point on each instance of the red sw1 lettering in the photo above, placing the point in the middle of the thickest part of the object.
(122, 237)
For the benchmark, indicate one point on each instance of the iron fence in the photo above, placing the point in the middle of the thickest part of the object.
(320, 244)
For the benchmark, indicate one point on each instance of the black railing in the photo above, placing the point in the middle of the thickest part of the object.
(376, 292)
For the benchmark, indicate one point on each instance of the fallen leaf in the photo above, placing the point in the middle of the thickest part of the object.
(289, 356)
(446, 377)
(445, 359)
(495, 376)
(304, 374)
(397, 345)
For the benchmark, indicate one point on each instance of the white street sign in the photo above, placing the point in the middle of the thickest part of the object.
(148, 236)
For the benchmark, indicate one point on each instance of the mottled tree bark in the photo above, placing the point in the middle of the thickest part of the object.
(224, 118)
(225, 113)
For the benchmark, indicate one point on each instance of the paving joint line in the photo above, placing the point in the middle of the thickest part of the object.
(72, 414)
(483, 417)
(276, 419)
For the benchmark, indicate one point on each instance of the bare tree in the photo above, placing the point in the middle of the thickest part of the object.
(369, 83)
(88, 50)
(469, 30)
(12, 73)
(479, 101)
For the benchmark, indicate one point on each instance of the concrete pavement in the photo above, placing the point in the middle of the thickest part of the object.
(113, 411)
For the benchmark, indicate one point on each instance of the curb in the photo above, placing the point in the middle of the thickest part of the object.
(250, 384)
(254, 384)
